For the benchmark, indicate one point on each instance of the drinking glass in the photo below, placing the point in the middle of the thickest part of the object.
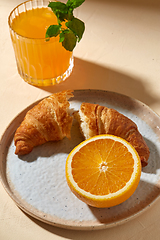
(39, 62)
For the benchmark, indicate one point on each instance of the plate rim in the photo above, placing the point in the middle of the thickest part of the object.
(68, 226)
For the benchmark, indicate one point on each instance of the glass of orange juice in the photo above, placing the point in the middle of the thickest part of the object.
(39, 62)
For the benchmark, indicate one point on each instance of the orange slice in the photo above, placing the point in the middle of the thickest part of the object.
(103, 171)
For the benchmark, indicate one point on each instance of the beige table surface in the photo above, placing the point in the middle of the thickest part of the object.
(120, 52)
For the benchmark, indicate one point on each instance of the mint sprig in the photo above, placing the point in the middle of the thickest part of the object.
(73, 32)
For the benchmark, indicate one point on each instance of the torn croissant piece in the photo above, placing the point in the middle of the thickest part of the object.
(49, 120)
(95, 119)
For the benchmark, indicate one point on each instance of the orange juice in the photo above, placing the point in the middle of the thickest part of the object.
(39, 62)
(34, 23)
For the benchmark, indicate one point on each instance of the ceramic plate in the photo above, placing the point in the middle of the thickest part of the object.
(37, 184)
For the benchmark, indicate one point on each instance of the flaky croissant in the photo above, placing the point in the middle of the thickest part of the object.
(95, 119)
(47, 121)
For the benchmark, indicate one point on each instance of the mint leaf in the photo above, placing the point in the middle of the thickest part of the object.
(58, 6)
(62, 35)
(53, 31)
(77, 27)
(69, 41)
(74, 27)
(59, 9)
(74, 3)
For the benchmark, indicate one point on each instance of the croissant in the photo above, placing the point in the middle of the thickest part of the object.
(47, 121)
(95, 119)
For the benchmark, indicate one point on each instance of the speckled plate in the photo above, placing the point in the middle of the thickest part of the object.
(37, 184)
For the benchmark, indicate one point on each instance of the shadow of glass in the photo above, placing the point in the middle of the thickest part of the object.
(91, 75)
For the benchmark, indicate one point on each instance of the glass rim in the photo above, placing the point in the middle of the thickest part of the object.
(9, 20)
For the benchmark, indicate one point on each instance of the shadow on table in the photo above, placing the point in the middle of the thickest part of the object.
(88, 74)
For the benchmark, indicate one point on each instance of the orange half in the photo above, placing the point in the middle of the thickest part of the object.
(103, 171)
